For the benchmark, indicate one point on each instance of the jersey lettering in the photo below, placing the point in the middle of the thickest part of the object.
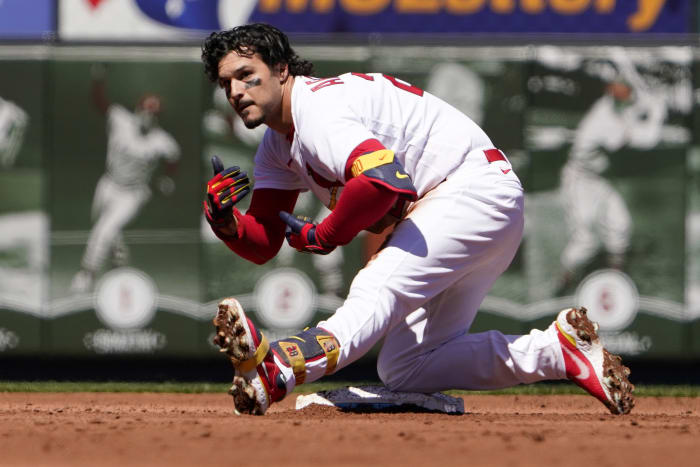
(364, 76)
(327, 82)
(404, 85)
(396, 82)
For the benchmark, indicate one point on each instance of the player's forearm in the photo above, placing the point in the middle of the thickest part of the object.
(251, 239)
(99, 96)
(361, 204)
(258, 234)
(171, 168)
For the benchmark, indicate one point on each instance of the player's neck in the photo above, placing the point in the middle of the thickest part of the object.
(284, 121)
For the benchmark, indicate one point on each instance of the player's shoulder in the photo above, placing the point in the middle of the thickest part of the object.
(350, 90)
(317, 100)
(163, 136)
(603, 109)
(12, 108)
(113, 107)
(604, 101)
(333, 90)
(119, 112)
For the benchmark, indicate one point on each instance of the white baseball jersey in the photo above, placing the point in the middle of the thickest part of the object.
(608, 128)
(131, 154)
(332, 116)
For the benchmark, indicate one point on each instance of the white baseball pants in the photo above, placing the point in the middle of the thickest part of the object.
(114, 206)
(422, 291)
(597, 215)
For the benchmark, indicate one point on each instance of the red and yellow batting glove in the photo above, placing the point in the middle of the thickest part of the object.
(301, 234)
(226, 188)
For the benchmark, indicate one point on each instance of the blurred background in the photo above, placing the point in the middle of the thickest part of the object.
(107, 125)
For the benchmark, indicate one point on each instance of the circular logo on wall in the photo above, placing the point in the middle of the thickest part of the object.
(611, 298)
(125, 298)
(285, 299)
(8, 339)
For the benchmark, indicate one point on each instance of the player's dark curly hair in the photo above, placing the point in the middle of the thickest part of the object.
(268, 41)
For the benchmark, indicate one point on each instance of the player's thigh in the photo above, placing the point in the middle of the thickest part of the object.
(128, 204)
(469, 221)
(615, 212)
(446, 316)
(104, 193)
(450, 232)
(583, 194)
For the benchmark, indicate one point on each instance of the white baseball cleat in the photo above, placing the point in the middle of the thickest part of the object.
(258, 381)
(589, 365)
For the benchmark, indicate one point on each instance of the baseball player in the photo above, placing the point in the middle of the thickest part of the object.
(135, 144)
(13, 123)
(221, 119)
(628, 114)
(378, 151)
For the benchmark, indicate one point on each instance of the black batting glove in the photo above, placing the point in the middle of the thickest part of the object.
(226, 188)
(301, 234)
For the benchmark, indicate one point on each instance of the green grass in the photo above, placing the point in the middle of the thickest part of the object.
(201, 388)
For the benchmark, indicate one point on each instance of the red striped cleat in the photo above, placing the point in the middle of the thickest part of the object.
(257, 382)
(589, 365)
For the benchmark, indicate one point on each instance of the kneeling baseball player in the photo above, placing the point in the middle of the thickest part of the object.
(378, 151)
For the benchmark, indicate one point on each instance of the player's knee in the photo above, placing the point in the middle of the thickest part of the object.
(390, 373)
(388, 379)
(398, 382)
(383, 371)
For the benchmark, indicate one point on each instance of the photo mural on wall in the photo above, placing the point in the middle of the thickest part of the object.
(607, 131)
(24, 222)
(601, 138)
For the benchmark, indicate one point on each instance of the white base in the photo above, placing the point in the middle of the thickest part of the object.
(379, 398)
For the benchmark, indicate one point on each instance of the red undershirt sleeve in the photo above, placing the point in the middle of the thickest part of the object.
(361, 204)
(260, 230)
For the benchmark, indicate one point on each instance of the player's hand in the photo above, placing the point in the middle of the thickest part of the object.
(301, 234)
(226, 188)
(166, 185)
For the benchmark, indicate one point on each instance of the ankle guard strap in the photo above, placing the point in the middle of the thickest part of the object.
(310, 345)
(257, 358)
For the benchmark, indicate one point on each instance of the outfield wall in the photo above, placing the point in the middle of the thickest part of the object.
(637, 269)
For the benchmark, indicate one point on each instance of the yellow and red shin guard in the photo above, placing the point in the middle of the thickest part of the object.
(313, 352)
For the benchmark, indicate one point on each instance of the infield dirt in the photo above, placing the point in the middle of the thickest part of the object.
(200, 429)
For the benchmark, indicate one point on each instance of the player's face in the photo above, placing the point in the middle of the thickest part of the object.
(151, 104)
(620, 91)
(147, 111)
(252, 88)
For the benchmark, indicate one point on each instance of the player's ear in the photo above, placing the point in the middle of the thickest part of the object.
(283, 72)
